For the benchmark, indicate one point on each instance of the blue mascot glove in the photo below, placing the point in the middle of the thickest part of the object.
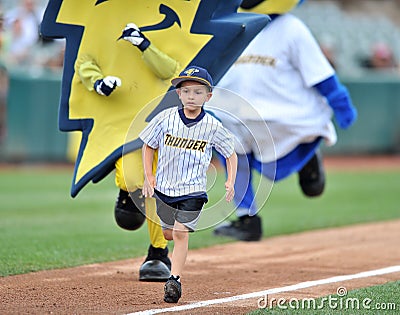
(345, 112)
(339, 100)
(107, 85)
(132, 34)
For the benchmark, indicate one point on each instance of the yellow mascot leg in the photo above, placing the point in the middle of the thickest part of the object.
(129, 178)
(153, 224)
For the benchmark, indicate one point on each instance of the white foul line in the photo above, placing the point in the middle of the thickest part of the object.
(289, 288)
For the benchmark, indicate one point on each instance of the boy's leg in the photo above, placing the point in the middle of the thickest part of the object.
(179, 254)
(173, 287)
(186, 214)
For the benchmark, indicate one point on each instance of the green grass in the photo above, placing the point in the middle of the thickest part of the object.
(42, 227)
(349, 198)
(381, 299)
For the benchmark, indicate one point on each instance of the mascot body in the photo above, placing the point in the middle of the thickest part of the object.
(106, 83)
(284, 75)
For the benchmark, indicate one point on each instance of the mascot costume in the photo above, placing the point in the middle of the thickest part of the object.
(289, 82)
(119, 57)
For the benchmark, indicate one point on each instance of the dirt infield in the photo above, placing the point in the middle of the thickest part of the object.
(213, 273)
(362, 163)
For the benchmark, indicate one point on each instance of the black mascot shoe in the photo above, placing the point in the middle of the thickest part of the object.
(246, 228)
(312, 176)
(129, 210)
(157, 265)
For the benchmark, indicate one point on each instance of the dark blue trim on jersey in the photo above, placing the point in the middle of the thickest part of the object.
(189, 121)
(169, 199)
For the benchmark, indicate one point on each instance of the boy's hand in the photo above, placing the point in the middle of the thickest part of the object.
(230, 191)
(148, 186)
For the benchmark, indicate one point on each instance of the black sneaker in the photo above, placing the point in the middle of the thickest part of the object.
(312, 176)
(172, 290)
(156, 266)
(246, 228)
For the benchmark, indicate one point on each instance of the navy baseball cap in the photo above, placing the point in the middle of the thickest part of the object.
(193, 73)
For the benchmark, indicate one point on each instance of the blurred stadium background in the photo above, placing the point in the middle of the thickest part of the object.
(347, 29)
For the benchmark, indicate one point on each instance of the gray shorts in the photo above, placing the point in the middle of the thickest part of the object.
(185, 211)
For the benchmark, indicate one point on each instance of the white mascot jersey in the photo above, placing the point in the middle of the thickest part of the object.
(282, 59)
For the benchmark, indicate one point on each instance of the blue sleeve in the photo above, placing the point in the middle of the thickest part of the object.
(339, 100)
(328, 85)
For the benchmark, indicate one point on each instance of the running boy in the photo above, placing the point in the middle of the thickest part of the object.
(184, 137)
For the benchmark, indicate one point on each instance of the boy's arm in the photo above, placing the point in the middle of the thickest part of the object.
(231, 168)
(149, 178)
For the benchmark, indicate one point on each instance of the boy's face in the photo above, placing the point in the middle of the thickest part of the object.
(193, 94)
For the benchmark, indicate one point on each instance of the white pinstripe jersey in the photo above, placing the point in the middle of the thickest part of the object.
(184, 151)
